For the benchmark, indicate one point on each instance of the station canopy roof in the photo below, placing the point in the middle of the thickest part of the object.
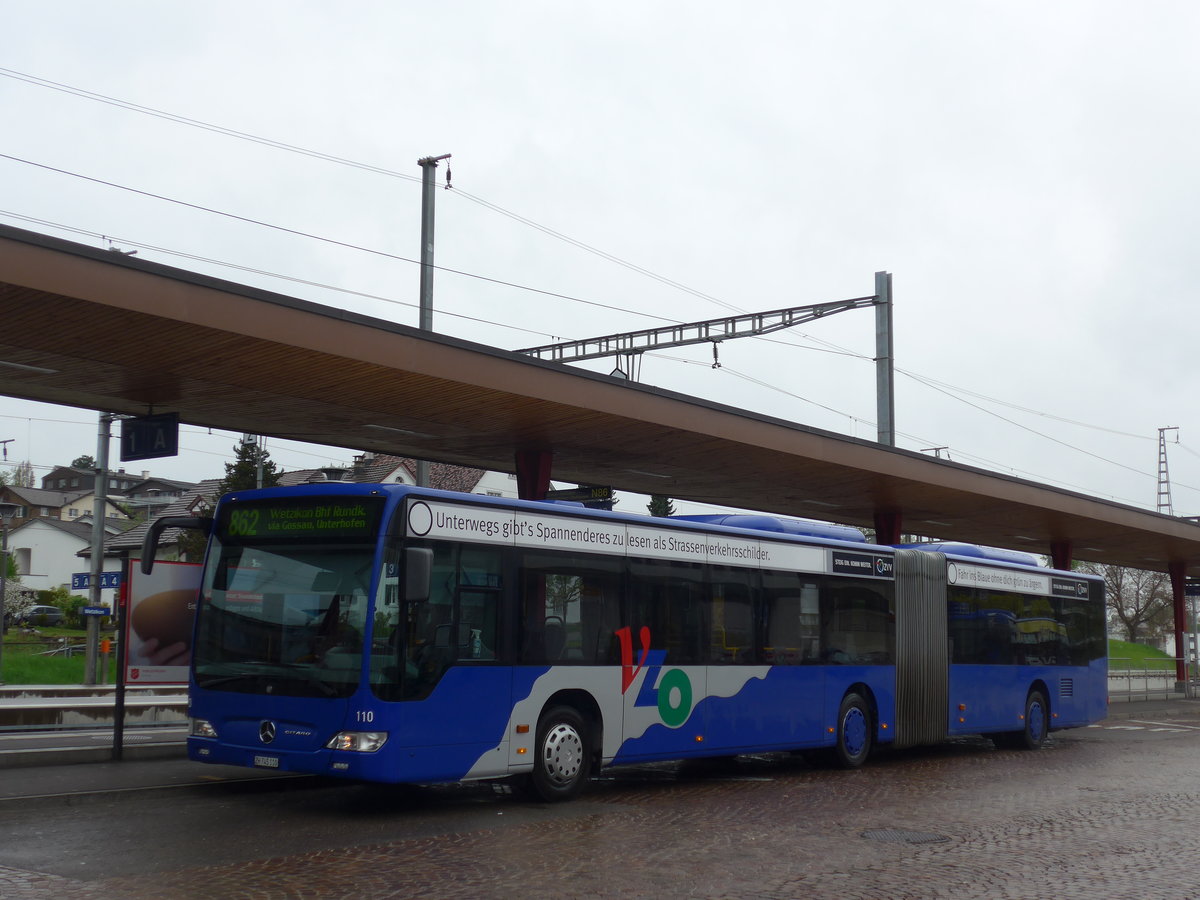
(99, 330)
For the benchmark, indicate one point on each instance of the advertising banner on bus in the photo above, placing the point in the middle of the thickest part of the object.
(449, 521)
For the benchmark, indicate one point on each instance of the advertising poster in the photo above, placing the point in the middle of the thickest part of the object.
(162, 607)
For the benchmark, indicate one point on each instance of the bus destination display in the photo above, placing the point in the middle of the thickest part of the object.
(328, 517)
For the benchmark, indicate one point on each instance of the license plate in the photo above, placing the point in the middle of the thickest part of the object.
(267, 762)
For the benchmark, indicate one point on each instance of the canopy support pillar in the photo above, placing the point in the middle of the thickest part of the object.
(533, 473)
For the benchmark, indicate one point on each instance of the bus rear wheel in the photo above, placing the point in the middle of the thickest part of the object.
(1037, 721)
(854, 733)
(562, 755)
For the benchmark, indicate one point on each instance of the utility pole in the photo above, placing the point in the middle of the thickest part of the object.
(1164, 477)
(98, 520)
(257, 441)
(428, 164)
(885, 393)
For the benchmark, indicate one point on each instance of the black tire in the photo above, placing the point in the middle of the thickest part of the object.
(1037, 726)
(562, 755)
(855, 733)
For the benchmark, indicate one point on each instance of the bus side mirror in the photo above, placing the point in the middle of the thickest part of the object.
(418, 573)
(158, 526)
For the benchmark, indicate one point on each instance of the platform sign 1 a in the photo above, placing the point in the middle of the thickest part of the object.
(150, 437)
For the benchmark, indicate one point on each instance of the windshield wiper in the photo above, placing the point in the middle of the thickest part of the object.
(207, 682)
(267, 673)
(306, 670)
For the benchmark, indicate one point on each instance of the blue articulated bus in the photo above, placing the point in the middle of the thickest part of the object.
(395, 634)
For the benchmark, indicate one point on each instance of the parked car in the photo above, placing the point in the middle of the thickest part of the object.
(41, 615)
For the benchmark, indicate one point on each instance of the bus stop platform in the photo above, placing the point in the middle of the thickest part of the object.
(66, 724)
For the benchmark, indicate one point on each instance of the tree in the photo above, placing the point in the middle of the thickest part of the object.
(661, 505)
(1140, 602)
(242, 473)
(21, 475)
(16, 599)
(83, 462)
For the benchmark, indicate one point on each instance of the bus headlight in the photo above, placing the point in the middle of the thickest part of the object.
(201, 728)
(357, 741)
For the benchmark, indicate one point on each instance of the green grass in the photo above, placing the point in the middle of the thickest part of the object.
(24, 661)
(1124, 655)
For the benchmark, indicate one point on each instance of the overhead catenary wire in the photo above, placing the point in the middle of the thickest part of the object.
(257, 271)
(916, 440)
(205, 126)
(333, 241)
(948, 390)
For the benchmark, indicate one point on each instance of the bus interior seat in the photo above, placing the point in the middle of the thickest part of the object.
(556, 639)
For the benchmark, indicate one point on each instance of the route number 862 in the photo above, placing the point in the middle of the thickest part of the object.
(243, 522)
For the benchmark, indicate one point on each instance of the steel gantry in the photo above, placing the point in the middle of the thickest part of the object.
(632, 344)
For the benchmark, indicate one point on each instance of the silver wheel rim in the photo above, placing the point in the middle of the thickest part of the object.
(562, 753)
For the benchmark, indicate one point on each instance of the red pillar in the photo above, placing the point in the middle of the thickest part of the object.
(533, 473)
(1060, 555)
(1178, 572)
(887, 526)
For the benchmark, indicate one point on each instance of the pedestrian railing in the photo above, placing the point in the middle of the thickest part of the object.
(1154, 679)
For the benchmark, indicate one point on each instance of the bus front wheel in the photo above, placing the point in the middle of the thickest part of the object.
(854, 733)
(560, 766)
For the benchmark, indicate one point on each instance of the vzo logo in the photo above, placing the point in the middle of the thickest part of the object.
(672, 693)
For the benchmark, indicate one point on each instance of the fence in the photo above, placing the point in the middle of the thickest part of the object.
(60, 647)
(1147, 680)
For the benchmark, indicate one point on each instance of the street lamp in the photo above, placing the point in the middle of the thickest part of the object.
(7, 511)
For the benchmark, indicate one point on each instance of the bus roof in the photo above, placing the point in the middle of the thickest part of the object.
(800, 527)
(974, 551)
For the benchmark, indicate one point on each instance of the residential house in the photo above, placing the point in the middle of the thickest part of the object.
(384, 469)
(149, 497)
(85, 505)
(37, 503)
(73, 479)
(46, 550)
(198, 501)
(62, 509)
(69, 478)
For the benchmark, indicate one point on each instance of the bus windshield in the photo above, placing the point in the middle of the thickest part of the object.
(284, 615)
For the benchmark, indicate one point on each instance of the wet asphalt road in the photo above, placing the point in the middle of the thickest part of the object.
(1105, 812)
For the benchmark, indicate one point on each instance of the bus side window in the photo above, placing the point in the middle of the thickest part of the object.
(858, 622)
(569, 608)
(791, 628)
(669, 598)
(732, 616)
(427, 624)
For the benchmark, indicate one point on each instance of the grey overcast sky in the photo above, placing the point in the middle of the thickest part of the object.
(1026, 170)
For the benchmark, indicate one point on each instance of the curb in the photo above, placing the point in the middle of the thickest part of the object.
(69, 756)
